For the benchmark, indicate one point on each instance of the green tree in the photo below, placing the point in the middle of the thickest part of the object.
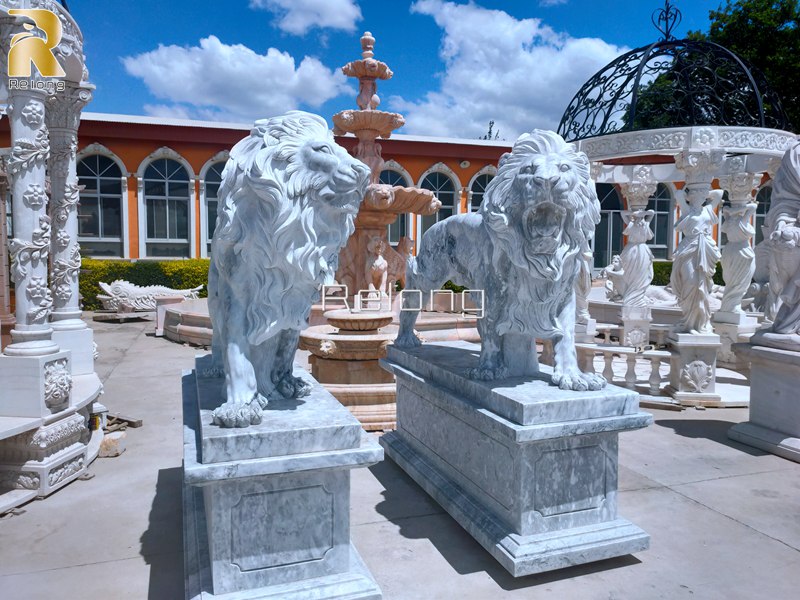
(767, 34)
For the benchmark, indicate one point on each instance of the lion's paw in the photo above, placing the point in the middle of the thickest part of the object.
(293, 387)
(407, 340)
(232, 414)
(573, 379)
(487, 374)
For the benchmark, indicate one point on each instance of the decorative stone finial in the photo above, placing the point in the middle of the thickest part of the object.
(367, 45)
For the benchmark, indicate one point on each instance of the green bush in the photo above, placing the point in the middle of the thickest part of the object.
(178, 274)
(663, 269)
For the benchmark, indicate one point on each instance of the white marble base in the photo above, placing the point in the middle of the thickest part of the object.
(774, 423)
(24, 389)
(81, 343)
(730, 334)
(635, 326)
(586, 332)
(268, 507)
(693, 371)
(530, 471)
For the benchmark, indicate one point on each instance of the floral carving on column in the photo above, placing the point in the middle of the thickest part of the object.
(65, 274)
(25, 153)
(35, 196)
(41, 300)
(33, 252)
(33, 113)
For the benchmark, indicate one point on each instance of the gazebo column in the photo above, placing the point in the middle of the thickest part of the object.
(636, 260)
(731, 323)
(37, 372)
(70, 332)
(6, 318)
(693, 368)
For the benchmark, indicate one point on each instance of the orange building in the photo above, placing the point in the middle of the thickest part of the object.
(150, 184)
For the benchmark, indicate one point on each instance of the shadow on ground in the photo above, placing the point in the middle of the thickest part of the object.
(162, 542)
(716, 431)
(464, 554)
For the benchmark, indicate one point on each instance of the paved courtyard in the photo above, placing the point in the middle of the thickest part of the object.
(724, 518)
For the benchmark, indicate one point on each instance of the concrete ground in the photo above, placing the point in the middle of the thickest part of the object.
(724, 518)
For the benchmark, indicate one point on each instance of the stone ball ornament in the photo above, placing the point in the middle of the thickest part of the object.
(523, 250)
(287, 204)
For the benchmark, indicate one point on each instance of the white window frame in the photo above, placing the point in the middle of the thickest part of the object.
(169, 153)
(91, 150)
(486, 170)
(442, 168)
(220, 157)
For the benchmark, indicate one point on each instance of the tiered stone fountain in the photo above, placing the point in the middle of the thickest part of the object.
(345, 352)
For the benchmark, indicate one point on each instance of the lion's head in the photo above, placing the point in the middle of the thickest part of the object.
(288, 199)
(541, 207)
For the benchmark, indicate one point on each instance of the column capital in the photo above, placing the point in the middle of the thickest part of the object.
(64, 108)
(700, 166)
(740, 186)
(638, 193)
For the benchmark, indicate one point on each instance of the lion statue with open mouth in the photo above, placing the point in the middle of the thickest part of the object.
(287, 203)
(523, 249)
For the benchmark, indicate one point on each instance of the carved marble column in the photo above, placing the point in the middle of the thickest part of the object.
(693, 341)
(731, 323)
(30, 247)
(70, 331)
(6, 318)
(636, 259)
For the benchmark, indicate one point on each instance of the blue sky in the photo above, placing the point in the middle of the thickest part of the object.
(457, 64)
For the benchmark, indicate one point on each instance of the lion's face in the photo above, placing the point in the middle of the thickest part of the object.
(542, 202)
(336, 179)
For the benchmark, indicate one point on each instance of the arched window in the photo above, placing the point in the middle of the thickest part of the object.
(399, 228)
(213, 179)
(100, 208)
(608, 234)
(762, 200)
(166, 199)
(445, 190)
(477, 190)
(661, 204)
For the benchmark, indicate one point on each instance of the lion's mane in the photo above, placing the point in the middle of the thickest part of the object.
(500, 212)
(273, 231)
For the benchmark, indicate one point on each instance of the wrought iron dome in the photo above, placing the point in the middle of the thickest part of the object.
(672, 83)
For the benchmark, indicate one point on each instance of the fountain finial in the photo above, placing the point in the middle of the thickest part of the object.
(367, 45)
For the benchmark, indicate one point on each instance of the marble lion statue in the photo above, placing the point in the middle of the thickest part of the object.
(287, 202)
(523, 249)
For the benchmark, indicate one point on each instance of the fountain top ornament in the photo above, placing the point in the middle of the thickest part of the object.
(367, 70)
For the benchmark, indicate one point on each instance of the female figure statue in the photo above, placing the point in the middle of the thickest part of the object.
(636, 257)
(696, 258)
(377, 267)
(738, 258)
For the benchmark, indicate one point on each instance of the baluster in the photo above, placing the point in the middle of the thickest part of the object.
(655, 375)
(630, 374)
(608, 371)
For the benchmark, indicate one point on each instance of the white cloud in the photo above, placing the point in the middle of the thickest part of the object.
(299, 16)
(519, 73)
(217, 81)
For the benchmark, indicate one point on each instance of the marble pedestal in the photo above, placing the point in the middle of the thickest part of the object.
(267, 508)
(80, 343)
(530, 471)
(774, 423)
(693, 370)
(733, 328)
(636, 326)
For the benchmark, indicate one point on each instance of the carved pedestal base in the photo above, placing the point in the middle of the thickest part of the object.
(267, 508)
(636, 326)
(35, 386)
(693, 370)
(530, 471)
(586, 332)
(774, 423)
(730, 334)
(80, 342)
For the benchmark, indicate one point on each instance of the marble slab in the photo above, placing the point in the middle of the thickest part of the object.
(539, 496)
(315, 423)
(521, 400)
